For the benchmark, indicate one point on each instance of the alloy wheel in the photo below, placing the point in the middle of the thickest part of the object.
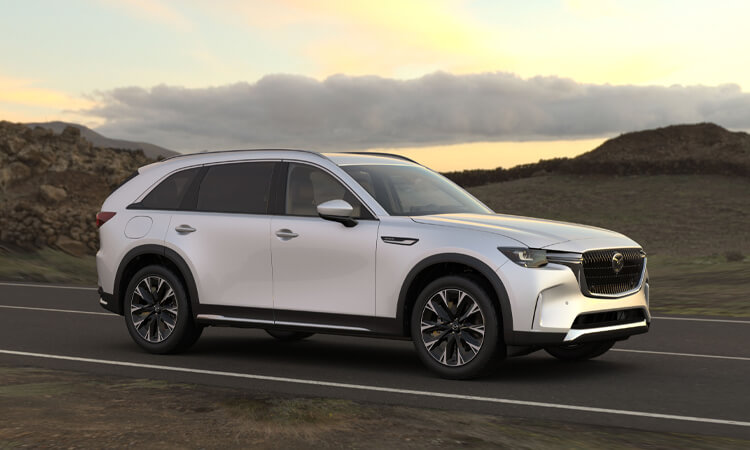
(452, 327)
(154, 309)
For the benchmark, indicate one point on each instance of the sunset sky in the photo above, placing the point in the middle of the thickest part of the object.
(454, 84)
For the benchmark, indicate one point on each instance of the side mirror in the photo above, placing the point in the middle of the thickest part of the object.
(337, 211)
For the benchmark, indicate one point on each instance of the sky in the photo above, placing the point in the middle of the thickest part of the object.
(455, 84)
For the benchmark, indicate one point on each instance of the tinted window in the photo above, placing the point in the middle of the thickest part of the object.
(236, 188)
(308, 186)
(168, 194)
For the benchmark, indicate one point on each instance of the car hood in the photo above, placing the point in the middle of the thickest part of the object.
(534, 233)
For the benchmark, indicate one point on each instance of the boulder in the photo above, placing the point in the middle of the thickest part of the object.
(14, 172)
(35, 156)
(52, 194)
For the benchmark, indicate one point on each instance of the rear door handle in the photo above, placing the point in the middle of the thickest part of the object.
(184, 228)
(285, 234)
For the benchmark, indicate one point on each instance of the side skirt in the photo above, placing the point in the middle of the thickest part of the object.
(314, 322)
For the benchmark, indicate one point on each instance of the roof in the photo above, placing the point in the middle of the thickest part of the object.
(340, 158)
(353, 158)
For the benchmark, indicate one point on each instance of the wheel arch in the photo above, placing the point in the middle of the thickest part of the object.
(145, 255)
(447, 264)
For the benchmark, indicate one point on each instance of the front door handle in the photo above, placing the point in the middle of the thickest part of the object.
(285, 234)
(184, 228)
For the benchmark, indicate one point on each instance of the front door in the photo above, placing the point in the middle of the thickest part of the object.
(320, 266)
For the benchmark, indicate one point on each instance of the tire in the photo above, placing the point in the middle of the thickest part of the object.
(580, 352)
(289, 336)
(460, 340)
(149, 320)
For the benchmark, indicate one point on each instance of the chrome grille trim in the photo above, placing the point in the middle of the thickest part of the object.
(597, 279)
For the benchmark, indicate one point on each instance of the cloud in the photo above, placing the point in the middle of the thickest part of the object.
(343, 112)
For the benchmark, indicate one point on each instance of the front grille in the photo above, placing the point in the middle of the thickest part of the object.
(601, 277)
(608, 319)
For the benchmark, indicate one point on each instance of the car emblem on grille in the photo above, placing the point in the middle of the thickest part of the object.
(618, 262)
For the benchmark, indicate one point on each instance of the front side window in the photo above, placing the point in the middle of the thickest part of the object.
(308, 186)
(412, 190)
(236, 188)
(169, 193)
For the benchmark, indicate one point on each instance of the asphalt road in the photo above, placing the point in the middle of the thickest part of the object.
(683, 376)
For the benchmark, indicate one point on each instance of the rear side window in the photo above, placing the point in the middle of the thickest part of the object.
(236, 188)
(169, 193)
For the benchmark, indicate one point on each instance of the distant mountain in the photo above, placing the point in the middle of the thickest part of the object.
(150, 150)
(701, 149)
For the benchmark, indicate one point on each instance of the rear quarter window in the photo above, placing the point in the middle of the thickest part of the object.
(169, 193)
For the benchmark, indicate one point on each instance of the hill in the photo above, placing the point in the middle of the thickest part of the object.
(52, 185)
(700, 149)
(150, 150)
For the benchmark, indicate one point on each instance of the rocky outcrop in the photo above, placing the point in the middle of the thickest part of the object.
(52, 185)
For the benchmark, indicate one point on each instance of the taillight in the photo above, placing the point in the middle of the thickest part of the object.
(102, 217)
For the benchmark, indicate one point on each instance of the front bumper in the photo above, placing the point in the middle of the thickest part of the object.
(547, 304)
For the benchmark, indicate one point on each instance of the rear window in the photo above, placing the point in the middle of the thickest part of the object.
(236, 188)
(169, 193)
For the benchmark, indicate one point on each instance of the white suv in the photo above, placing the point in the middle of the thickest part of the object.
(298, 242)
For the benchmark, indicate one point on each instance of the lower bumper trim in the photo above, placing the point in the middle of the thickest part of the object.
(545, 339)
(626, 329)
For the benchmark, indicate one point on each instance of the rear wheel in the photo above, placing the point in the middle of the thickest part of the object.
(455, 328)
(157, 311)
(288, 336)
(580, 352)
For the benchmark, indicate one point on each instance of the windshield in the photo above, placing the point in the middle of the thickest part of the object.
(411, 190)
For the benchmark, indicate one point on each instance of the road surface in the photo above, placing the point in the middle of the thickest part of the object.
(683, 376)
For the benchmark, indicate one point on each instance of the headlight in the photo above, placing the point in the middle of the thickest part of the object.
(526, 257)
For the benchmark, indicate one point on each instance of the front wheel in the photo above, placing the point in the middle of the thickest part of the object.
(455, 328)
(157, 311)
(580, 352)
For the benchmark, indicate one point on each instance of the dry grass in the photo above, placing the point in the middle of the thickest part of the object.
(47, 265)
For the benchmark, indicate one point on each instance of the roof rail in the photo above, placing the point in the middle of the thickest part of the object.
(181, 155)
(392, 155)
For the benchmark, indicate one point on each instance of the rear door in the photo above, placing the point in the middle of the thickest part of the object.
(224, 236)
